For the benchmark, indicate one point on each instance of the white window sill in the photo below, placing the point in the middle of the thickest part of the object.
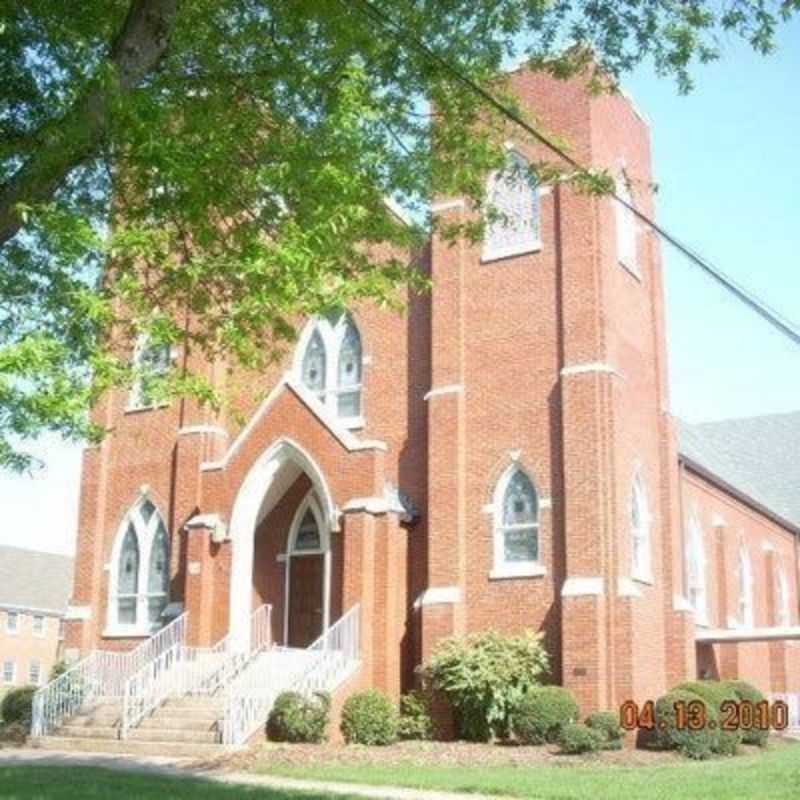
(510, 252)
(506, 572)
(352, 423)
(643, 577)
(121, 632)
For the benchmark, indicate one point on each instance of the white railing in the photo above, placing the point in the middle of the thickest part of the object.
(793, 705)
(101, 674)
(183, 670)
(320, 667)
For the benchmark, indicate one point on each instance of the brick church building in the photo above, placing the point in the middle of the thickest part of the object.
(501, 456)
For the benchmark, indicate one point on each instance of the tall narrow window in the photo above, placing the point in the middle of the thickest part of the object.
(516, 548)
(140, 581)
(307, 536)
(9, 671)
(38, 625)
(696, 569)
(626, 226)
(34, 672)
(150, 361)
(12, 621)
(332, 365)
(745, 571)
(782, 604)
(641, 564)
(128, 578)
(514, 225)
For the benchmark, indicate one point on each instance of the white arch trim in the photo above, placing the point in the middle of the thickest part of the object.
(244, 519)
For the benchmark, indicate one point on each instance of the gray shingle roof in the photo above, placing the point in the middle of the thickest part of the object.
(32, 579)
(757, 456)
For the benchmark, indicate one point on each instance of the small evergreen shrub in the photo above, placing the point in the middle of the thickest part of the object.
(415, 716)
(542, 713)
(57, 670)
(700, 744)
(606, 723)
(369, 718)
(17, 705)
(575, 738)
(716, 693)
(746, 691)
(484, 676)
(295, 718)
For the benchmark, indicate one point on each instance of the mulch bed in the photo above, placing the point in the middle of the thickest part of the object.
(265, 755)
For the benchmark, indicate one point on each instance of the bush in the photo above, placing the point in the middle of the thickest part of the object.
(484, 676)
(369, 718)
(716, 693)
(540, 716)
(14, 732)
(57, 670)
(415, 716)
(295, 718)
(606, 723)
(17, 705)
(746, 691)
(698, 744)
(575, 738)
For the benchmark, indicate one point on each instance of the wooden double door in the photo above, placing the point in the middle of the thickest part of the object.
(306, 599)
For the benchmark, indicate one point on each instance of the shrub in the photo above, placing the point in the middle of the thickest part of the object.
(15, 732)
(57, 670)
(576, 738)
(698, 744)
(295, 718)
(607, 724)
(17, 705)
(415, 716)
(746, 691)
(716, 693)
(369, 718)
(542, 713)
(484, 676)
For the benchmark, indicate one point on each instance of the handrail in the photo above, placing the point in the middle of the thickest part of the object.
(101, 674)
(183, 670)
(320, 667)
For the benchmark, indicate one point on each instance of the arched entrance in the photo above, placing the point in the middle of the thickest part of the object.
(272, 475)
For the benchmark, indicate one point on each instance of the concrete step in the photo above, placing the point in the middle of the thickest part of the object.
(179, 723)
(193, 702)
(190, 713)
(87, 732)
(91, 719)
(127, 746)
(167, 735)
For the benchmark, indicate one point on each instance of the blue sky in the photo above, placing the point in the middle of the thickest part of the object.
(728, 167)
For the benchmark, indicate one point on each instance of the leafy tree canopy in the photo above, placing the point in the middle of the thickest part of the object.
(202, 172)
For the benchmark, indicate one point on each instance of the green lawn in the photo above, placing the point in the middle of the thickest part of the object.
(769, 775)
(75, 783)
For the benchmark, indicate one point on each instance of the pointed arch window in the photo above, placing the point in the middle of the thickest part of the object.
(640, 521)
(516, 526)
(745, 576)
(140, 572)
(150, 361)
(783, 612)
(331, 366)
(626, 226)
(696, 570)
(513, 197)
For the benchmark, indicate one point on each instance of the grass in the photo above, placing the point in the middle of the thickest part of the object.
(770, 775)
(76, 783)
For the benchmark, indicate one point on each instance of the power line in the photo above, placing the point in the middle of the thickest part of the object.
(781, 323)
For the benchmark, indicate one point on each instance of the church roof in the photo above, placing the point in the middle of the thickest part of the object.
(31, 579)
(759, 457)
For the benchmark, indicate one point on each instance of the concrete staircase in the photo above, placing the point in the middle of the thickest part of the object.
(181, 727)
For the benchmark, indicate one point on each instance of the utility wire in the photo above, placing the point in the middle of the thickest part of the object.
(781, 323)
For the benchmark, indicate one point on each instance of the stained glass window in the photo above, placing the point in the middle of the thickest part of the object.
(128, 577)
(314, 366)
(308, 537)
(640, 531)
(696, 568)
(519, 521)
(349, 389)
(152, 361)
(158, 574)
(745, 588)
(514, 200)
(784, 614)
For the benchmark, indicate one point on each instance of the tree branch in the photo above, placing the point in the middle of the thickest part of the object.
(137, 50)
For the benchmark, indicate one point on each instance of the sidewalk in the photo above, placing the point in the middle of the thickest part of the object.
(180, 768)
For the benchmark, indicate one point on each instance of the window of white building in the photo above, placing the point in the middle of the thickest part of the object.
(39, 624)
(34, 672)
(514, 197)
(9, 672)
(331, 366)
(516, 526)
(12, 622)
(641, 523)
(140, 572)
(696, 570)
